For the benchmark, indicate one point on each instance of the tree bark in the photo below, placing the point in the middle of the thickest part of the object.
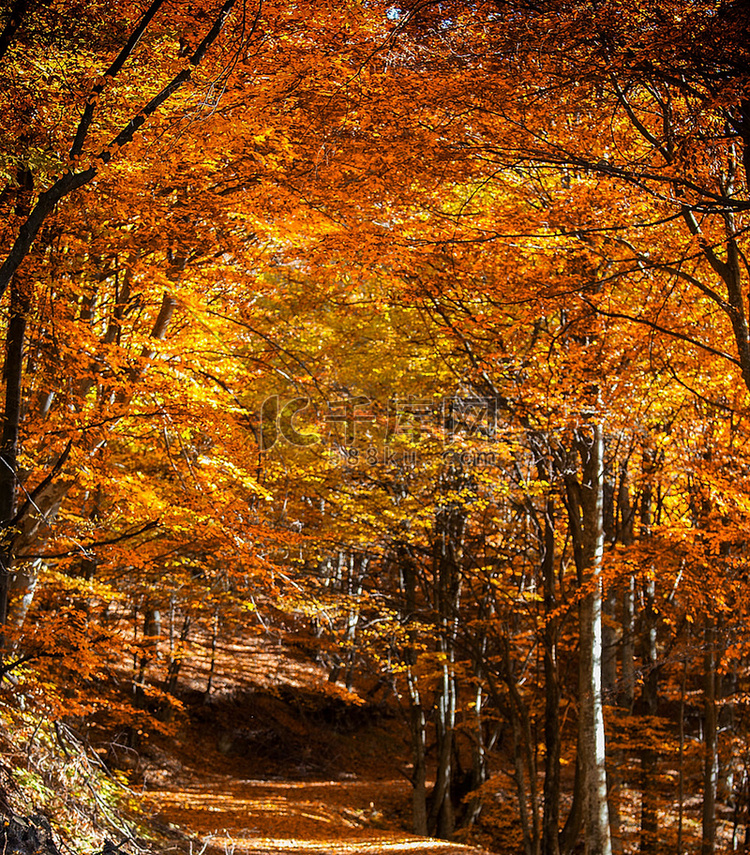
(552, 735)
(650, 690)
(419, 773)
(448, 541)
(417, 722)
(650, 704)
(711, 755)
(216, 623)
(591, 740)
(13, 376)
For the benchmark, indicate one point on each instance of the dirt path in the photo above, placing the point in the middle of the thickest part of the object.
(290, 778)
(226, 816)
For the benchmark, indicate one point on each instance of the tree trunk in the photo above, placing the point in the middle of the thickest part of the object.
(448, 540)
(13, 376)
(649, 757)
(552, 735)
(681, 761)
(175, 654)
(478, 762)
(441, 820)
(417, 722)
(591, 740)
(574, 821)
(650, 690)
(419, 773)
(212, 666)
(627, 692)
(711, 756)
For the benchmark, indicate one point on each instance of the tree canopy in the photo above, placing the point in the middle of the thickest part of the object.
(422, 325)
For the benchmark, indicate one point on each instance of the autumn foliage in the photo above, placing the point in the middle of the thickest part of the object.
(424, 326)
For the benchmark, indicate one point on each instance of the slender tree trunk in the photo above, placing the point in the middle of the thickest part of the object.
(610, 640)
(627, 693)
(681, 762)
(476, 732)
(625, 534)
(478, 760)
(620, 693)
(441, 820)
(354, 592)
(552, 735)
(591, 739)
(574, 821)
(419, 773)
(150, 646)
(649, 756)
(212, 666)
(520, 776)
(524, 757)
(650, 690)
(447, 557)
(417, 722)
(711, 756)
(528, 744)
(175, 658)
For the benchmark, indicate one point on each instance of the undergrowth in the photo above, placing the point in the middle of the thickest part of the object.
(48, 769)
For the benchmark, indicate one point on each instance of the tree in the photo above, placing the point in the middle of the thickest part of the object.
(63, 171)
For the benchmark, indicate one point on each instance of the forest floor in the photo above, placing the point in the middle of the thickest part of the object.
(278, 760)
(226, 815)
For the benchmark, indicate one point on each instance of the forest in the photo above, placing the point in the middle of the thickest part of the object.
(413, 336)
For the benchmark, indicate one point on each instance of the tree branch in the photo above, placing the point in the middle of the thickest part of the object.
(111, 72)
(71, 181)
(659, 328)
(149, 526)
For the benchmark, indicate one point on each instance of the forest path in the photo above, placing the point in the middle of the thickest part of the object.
(226, 816)
(295, 776)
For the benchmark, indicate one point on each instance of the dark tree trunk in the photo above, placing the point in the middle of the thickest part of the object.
(650, 691)
(13, 376)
